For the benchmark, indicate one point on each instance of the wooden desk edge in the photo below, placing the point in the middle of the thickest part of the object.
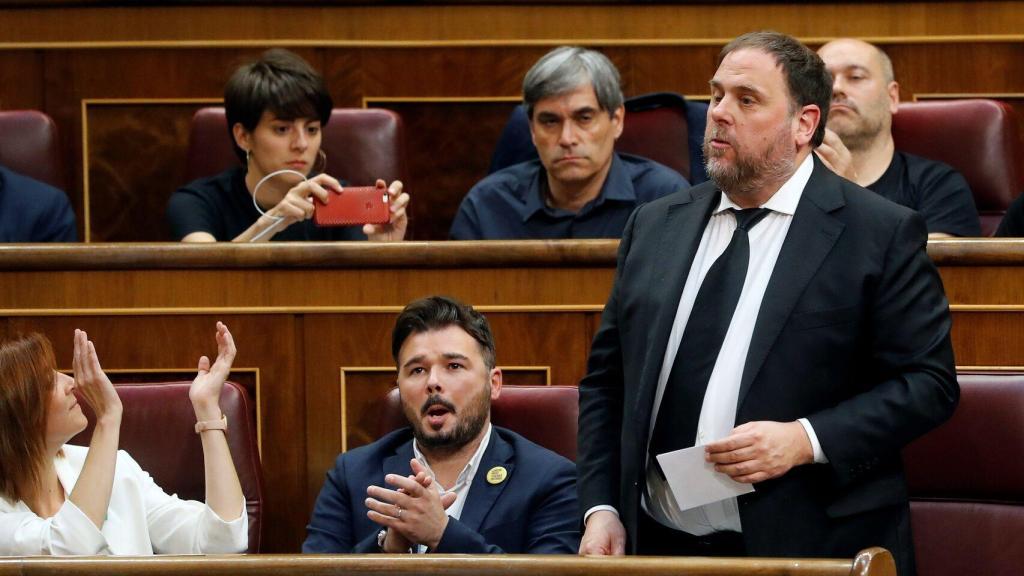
(462, 254)
(873, 561)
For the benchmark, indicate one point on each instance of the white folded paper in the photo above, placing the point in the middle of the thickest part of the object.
(694, 481)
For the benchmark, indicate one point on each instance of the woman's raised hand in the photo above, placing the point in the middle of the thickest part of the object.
(205, 390)
(92, 383)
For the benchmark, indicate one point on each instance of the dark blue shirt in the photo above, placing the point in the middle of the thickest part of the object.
(32, 211)
(509, 204)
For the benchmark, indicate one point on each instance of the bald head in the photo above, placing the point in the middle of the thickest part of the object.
(864, 93)
(864, 52)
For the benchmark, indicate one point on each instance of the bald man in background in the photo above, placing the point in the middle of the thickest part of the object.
(859, 145)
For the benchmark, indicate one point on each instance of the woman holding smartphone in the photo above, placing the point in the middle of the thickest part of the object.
(60, 499)
(276, 108)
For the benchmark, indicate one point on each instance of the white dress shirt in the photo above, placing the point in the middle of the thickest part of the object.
(141, 519)
(718, 412)
(462, 484)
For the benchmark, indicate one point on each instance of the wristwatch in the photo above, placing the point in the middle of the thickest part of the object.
(383, 535)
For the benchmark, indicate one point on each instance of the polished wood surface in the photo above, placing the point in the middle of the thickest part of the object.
(508, 21)
(870, 562)
(126, 158)
(313, 323)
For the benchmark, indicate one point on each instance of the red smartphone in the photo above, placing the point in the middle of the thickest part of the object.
(354, 205)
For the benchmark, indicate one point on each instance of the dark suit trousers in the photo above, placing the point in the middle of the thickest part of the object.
(653, 539)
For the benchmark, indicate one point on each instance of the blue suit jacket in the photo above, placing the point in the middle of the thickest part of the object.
(33, 211)
(532, 511)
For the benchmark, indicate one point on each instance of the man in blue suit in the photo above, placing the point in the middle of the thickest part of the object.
(451, 482)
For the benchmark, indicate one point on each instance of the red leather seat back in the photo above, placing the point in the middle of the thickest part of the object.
(361, 145)
(546, 415)
(966, 482)
(158, 431)
(28, 145)
(978, 137)
(657, 128)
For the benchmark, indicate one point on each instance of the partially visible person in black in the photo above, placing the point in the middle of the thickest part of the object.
(1012, 225)
(32, 211)
(276, 108)
(859, 145)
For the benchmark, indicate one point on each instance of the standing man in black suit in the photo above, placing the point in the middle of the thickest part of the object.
(784, 318)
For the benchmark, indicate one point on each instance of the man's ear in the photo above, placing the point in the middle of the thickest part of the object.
(495, 383)
(893, 90)
(618, 121)
(243, 138)
(806, 122)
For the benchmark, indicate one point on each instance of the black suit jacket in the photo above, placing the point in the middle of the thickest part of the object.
(852, 333)
(531, 511)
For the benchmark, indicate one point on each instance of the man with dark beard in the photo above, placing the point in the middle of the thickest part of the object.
(451, 483)
(786, 320)
(859, 146)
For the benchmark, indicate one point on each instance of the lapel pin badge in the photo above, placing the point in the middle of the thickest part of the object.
(496, 475)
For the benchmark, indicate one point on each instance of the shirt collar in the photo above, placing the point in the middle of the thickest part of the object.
(788, 195)
(617, 186)
(468, 472)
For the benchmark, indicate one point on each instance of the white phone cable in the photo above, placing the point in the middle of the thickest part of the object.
(277, 219)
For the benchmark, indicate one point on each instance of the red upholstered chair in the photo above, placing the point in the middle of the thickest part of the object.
(657, 128)
(966, 481)
(361, 145)
(28, 145)
(978, 137)
(158, 431)
(546, 415)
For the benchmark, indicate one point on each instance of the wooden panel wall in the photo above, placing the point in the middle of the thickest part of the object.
(54, 59)
(313, 323)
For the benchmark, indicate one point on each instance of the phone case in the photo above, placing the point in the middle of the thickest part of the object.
(354, 205)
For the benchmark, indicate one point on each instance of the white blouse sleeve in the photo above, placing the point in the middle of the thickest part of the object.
(68, 532)
(179, 526)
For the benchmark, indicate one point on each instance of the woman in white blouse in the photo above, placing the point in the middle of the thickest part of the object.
(56, 498)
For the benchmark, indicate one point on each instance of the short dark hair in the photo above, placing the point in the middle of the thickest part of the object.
(808, 80)
(437, 312)
(281, 82)
(568, 67)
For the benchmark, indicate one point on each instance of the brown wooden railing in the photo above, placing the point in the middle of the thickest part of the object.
(870, 562)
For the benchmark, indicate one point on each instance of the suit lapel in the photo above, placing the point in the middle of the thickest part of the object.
(398, 463)
(483, 494)
(681, 232)
(811, 236)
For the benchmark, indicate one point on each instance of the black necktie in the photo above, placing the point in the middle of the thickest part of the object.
(676, 425)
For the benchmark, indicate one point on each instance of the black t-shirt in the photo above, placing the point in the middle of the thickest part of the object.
(934, 189)
(1012, 225)
(222, 206)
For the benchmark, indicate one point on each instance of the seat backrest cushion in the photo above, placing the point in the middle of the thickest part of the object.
(662, 126)
(966, 482)
(980, 138)
(361, 145)
(546, 415)
(158, 431)
(29, 146)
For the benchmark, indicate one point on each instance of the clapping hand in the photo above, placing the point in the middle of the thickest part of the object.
(92, 383)
(414, 513)
(205, 390)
